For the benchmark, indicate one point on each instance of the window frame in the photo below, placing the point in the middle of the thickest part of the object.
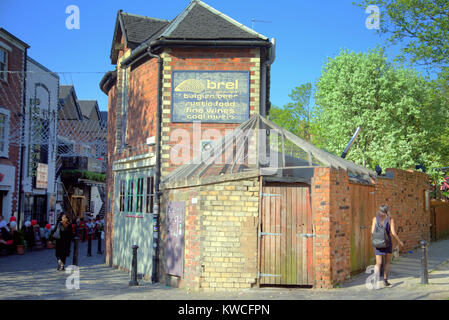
(140, 196)
(7, 114)
(122, 196)
(149, 196)
(4, 75)
(130, 196)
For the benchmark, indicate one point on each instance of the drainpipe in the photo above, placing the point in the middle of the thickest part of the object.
(157, 173)
(263, 78)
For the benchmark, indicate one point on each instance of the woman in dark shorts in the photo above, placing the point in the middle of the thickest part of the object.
(383, 218)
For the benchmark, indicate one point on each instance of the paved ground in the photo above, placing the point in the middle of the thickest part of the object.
(34, 276)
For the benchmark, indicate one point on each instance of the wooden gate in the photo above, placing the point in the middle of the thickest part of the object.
(362, 213)
(286, 236)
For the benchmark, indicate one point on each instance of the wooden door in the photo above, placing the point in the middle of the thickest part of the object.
(362, 213)
(174, 251)
(286, 236)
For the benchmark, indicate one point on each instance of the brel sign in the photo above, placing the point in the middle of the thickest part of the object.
(210, 96)
(42, 176)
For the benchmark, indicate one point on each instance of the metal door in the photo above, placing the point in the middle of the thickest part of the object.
(286, 235)
(362, 213)
(174, 254)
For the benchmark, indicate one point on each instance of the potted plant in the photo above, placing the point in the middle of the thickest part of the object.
(20, 242)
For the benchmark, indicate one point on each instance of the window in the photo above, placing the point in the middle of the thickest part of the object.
(4, 132)
(122, 196)
(3, 65)
(150, 194)
(139, 195)
(130, 199)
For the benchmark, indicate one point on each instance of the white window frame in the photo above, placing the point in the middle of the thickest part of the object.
(7, 113)
(4, 75)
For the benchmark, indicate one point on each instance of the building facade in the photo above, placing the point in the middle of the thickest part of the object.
(40, 144)
(13, 57)
(155, 59)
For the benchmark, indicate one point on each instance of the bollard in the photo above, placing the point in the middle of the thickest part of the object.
(99, 244)
(424, 270)
(133, 281)
(89, 245)
(75, 250)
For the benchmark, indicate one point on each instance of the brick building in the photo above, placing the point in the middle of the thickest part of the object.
(203, 183)
(13, 57)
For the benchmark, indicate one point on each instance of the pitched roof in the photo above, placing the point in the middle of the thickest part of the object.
(140, 28)
(198, 21)
(64, 91)
(201, 21)
(87, 106)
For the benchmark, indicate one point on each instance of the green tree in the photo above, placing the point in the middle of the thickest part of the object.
(398, 110)
(298, 115)
(422, 26)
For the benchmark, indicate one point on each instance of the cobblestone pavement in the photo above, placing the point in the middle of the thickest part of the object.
(34, 276)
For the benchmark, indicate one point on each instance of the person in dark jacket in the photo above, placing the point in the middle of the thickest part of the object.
(63, 234)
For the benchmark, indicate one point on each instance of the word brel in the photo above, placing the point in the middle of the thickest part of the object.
(233, 85)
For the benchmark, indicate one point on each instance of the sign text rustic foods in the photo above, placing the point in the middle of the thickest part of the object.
(210, 96)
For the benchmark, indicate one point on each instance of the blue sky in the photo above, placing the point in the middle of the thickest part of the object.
(306, 33)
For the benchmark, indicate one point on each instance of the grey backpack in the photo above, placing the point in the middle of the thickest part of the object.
(380, 236)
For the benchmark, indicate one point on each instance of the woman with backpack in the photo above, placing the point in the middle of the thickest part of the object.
(382, 229)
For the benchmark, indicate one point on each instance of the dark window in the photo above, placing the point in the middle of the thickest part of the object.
(150, 194)
(122, 196)
(139, 195)
(130, 196)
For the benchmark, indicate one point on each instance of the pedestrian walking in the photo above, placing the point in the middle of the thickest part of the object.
(382, 229)
(63, 234)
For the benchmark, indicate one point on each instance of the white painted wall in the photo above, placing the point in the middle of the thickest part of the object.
(38, 77)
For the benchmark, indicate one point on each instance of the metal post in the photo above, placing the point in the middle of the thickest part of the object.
(424, 270)
(75, 251)
(99, 244)
(89, 245)
(133, 281)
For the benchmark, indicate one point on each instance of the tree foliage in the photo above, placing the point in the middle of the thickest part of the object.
(401, 113)
(298, 116)
(422, 26)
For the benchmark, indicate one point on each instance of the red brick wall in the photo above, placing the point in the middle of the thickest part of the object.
(321, 212)
(109, 228)
(11, 98)
(405, 198)
(331, 207)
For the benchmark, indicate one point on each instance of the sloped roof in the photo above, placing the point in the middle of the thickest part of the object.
(140, 28)
(201, 21)
(87, 106)
(64, 91)
(198, 21)
(259, 146)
